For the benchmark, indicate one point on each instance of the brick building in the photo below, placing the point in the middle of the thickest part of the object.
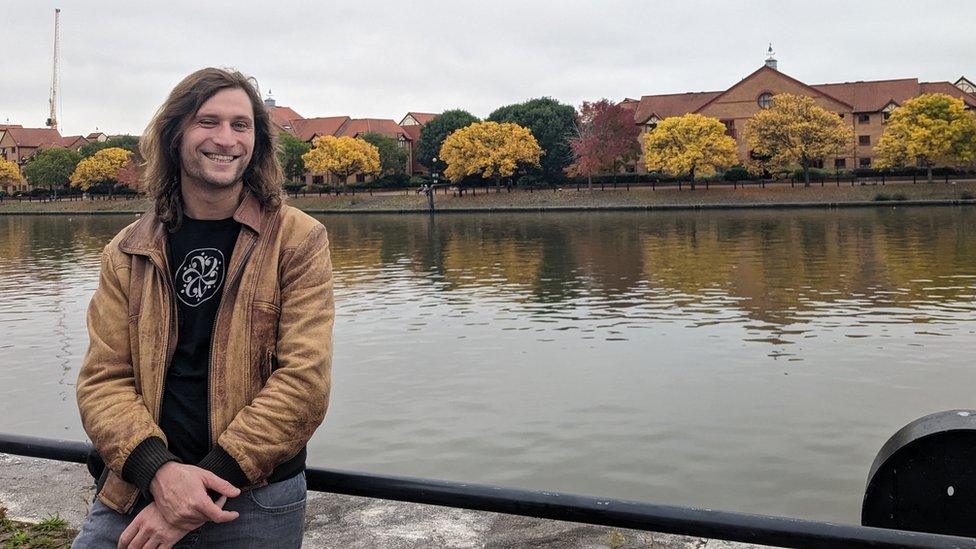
(406, 134)
(864, 105)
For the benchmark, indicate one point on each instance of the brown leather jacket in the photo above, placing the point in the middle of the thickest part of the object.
(271, 355)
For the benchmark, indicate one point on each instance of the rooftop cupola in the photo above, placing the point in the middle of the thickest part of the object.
(770, 60)
(269, 101)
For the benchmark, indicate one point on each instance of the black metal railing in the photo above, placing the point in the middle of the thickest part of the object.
(708, 523)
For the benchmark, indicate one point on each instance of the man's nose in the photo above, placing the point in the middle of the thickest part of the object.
(223, 135)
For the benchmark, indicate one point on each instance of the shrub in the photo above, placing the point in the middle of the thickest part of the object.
(966, 195)
(736, 173)
(815, 175)
(899, 196)
(881, 197)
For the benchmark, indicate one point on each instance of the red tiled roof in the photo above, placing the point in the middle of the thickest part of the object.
(68, 142)
(33, 137)
(413, 132)
(8, 126)
(94, 135)
(872, 96)
(675, 104)
(421, 117)
(358, 126)
(948, 89)
(307, 128)
(283, 116)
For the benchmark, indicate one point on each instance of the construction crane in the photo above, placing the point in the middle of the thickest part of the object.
(52, 121)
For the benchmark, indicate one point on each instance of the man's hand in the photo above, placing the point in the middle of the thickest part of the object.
(150, 530)
(180, 494)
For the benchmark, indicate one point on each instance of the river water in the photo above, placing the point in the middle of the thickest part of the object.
(751, 361)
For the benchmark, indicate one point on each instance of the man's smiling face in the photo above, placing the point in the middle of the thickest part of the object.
(218, 141)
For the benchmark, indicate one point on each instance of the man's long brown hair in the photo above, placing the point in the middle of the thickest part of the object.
(160, 144)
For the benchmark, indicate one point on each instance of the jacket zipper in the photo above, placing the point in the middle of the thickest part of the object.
(171, 335)
(213, 331)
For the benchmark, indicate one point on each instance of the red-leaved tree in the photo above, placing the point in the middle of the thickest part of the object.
(606, 137)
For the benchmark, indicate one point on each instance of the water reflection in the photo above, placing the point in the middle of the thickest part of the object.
(745, 360)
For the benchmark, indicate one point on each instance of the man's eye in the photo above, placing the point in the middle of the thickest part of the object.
(241, 126)
(207, 123)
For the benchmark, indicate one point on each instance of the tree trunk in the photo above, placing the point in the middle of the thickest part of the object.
(692, 178)
(589, 182)
(806, 175)
(929, 170)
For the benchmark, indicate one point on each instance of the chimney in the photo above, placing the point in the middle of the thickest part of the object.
(770, 60)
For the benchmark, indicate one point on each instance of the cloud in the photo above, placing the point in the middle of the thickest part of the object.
(382, 59)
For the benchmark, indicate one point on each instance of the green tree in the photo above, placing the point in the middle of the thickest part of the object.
(552, 124)
(433, 134)
(393, 157)
(290, 152)
(127, 142)
(931, 130)
(52, 168)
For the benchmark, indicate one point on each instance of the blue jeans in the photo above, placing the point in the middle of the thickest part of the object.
(270, 516)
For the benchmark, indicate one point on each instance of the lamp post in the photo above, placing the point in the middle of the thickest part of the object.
(430, 189)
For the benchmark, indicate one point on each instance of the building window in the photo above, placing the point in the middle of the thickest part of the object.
(360, 178)
(840, 163)
(318, 179)
(863, 118)
(729, 128)
(864, 162)
(864, 140)
(765, 100)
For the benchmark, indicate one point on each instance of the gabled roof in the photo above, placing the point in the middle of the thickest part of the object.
(33, 137)
(68, 142)
(948, 89)
(358, 126)
(874, 95)
(413, 132)
(421, 117)
(675, 104)
(283, 117)
(308, 128)
(8, 126)
(767, 68)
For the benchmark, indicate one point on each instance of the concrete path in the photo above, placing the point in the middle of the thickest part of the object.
(31, 489)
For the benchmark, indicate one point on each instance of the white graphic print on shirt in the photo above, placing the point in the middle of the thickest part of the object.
(200, 276)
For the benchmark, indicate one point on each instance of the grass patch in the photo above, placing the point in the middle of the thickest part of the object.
(966, 195)
(881, 197)
(50, 533)
(899, 196)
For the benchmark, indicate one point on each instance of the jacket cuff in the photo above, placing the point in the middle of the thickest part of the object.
(144, 461)
(220, 463)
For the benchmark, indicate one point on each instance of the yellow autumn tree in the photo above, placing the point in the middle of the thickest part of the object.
(490, 148)
(690, 144)
(9, 172)
(796, 131)
(101, 167)
(342, 157)
(930, 130)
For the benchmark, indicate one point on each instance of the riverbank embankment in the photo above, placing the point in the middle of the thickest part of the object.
(779, 195)
(34, 489)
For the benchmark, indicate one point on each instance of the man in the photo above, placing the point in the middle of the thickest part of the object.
(210, 349)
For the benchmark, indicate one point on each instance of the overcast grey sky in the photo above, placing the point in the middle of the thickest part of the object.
(119, 59)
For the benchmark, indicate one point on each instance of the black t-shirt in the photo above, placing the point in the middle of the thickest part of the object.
(199, 255)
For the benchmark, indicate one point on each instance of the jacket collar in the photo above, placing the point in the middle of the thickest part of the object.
(148, 235)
